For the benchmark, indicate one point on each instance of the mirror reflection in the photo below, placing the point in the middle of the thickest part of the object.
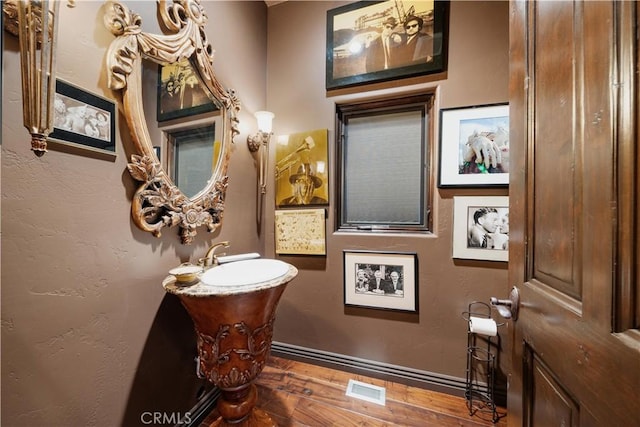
(194, 123)
(187, 129)
(192, 155)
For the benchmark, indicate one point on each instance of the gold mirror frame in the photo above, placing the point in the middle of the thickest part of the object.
(158, 202)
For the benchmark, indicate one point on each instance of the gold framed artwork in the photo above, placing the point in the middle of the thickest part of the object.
(301, 171)
(300, 232)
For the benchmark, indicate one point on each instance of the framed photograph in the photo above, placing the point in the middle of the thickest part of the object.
(474, 146)
(375, 41)
(381, 280)
(83, 119)
(302, 173)
(180, 93)
(300, 232)
(481, 228)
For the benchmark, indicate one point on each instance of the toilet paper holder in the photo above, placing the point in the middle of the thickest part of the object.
(482, 350)
(478, 309)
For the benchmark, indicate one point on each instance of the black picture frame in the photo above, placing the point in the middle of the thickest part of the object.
(83, 119)
(403, 296)
(474, 146)
(189, 98)
(354, 32)
(481, 228)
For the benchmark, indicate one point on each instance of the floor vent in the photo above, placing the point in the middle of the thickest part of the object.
(368, 392)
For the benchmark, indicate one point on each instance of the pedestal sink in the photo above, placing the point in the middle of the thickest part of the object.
(233, 310)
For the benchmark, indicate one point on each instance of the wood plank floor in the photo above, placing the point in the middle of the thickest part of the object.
(297, 394)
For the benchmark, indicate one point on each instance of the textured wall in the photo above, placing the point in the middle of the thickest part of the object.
(88, 335)
(312, 312)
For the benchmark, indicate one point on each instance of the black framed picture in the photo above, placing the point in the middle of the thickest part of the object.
(180, 93)
(83, 119)
(383, 280)
(474, 146)
(375, 41)
(481, 227)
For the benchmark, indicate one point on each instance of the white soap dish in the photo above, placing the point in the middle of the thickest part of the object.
(186, 273)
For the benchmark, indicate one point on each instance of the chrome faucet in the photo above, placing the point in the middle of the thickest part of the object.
(211, 258)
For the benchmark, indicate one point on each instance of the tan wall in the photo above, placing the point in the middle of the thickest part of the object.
(88, 335)
(312, 313)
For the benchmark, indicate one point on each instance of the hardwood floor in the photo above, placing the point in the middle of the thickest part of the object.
(297, 394)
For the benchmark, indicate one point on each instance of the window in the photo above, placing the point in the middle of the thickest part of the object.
(193, 155)
(384, 164)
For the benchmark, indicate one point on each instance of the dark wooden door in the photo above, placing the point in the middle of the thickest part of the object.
(574, 214)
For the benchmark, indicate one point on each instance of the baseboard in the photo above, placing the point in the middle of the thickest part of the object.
(413, 377)
(400, 374)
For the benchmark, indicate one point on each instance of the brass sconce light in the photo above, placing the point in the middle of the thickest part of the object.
(260, 142)
(35, 23)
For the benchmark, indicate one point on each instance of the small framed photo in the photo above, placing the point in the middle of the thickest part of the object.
(481, 228)
(300, 232)
(83, 119)
(180, 93)
(474, 146)
(375, 41)
(381, 280)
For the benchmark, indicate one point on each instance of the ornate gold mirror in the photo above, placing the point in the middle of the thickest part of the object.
(159, 202)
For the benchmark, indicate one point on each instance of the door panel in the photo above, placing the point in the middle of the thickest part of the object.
(573, 106)
(552, 404)
(554, 257)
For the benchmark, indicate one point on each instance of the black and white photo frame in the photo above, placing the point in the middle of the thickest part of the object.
(481, 228)
(83, 119)
(381, 280)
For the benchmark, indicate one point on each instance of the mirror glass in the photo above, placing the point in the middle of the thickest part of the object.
(183, 144)
(184, 124)
(192, 155)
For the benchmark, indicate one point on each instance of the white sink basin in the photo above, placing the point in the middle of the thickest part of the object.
(243, 273)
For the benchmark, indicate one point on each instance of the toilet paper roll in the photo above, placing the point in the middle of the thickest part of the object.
(481, 326)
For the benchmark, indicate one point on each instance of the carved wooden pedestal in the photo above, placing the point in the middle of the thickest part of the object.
(234, 332)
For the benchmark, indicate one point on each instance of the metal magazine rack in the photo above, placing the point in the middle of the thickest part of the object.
(482, 346)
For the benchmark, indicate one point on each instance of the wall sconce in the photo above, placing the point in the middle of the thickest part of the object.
(36, 25)
(259, 141)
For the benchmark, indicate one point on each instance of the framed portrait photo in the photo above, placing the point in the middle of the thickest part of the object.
(375, 41)
(83, 119)
(474, 146)
(481, 228)
(381, 280)
(302, 169)
(180, 93)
